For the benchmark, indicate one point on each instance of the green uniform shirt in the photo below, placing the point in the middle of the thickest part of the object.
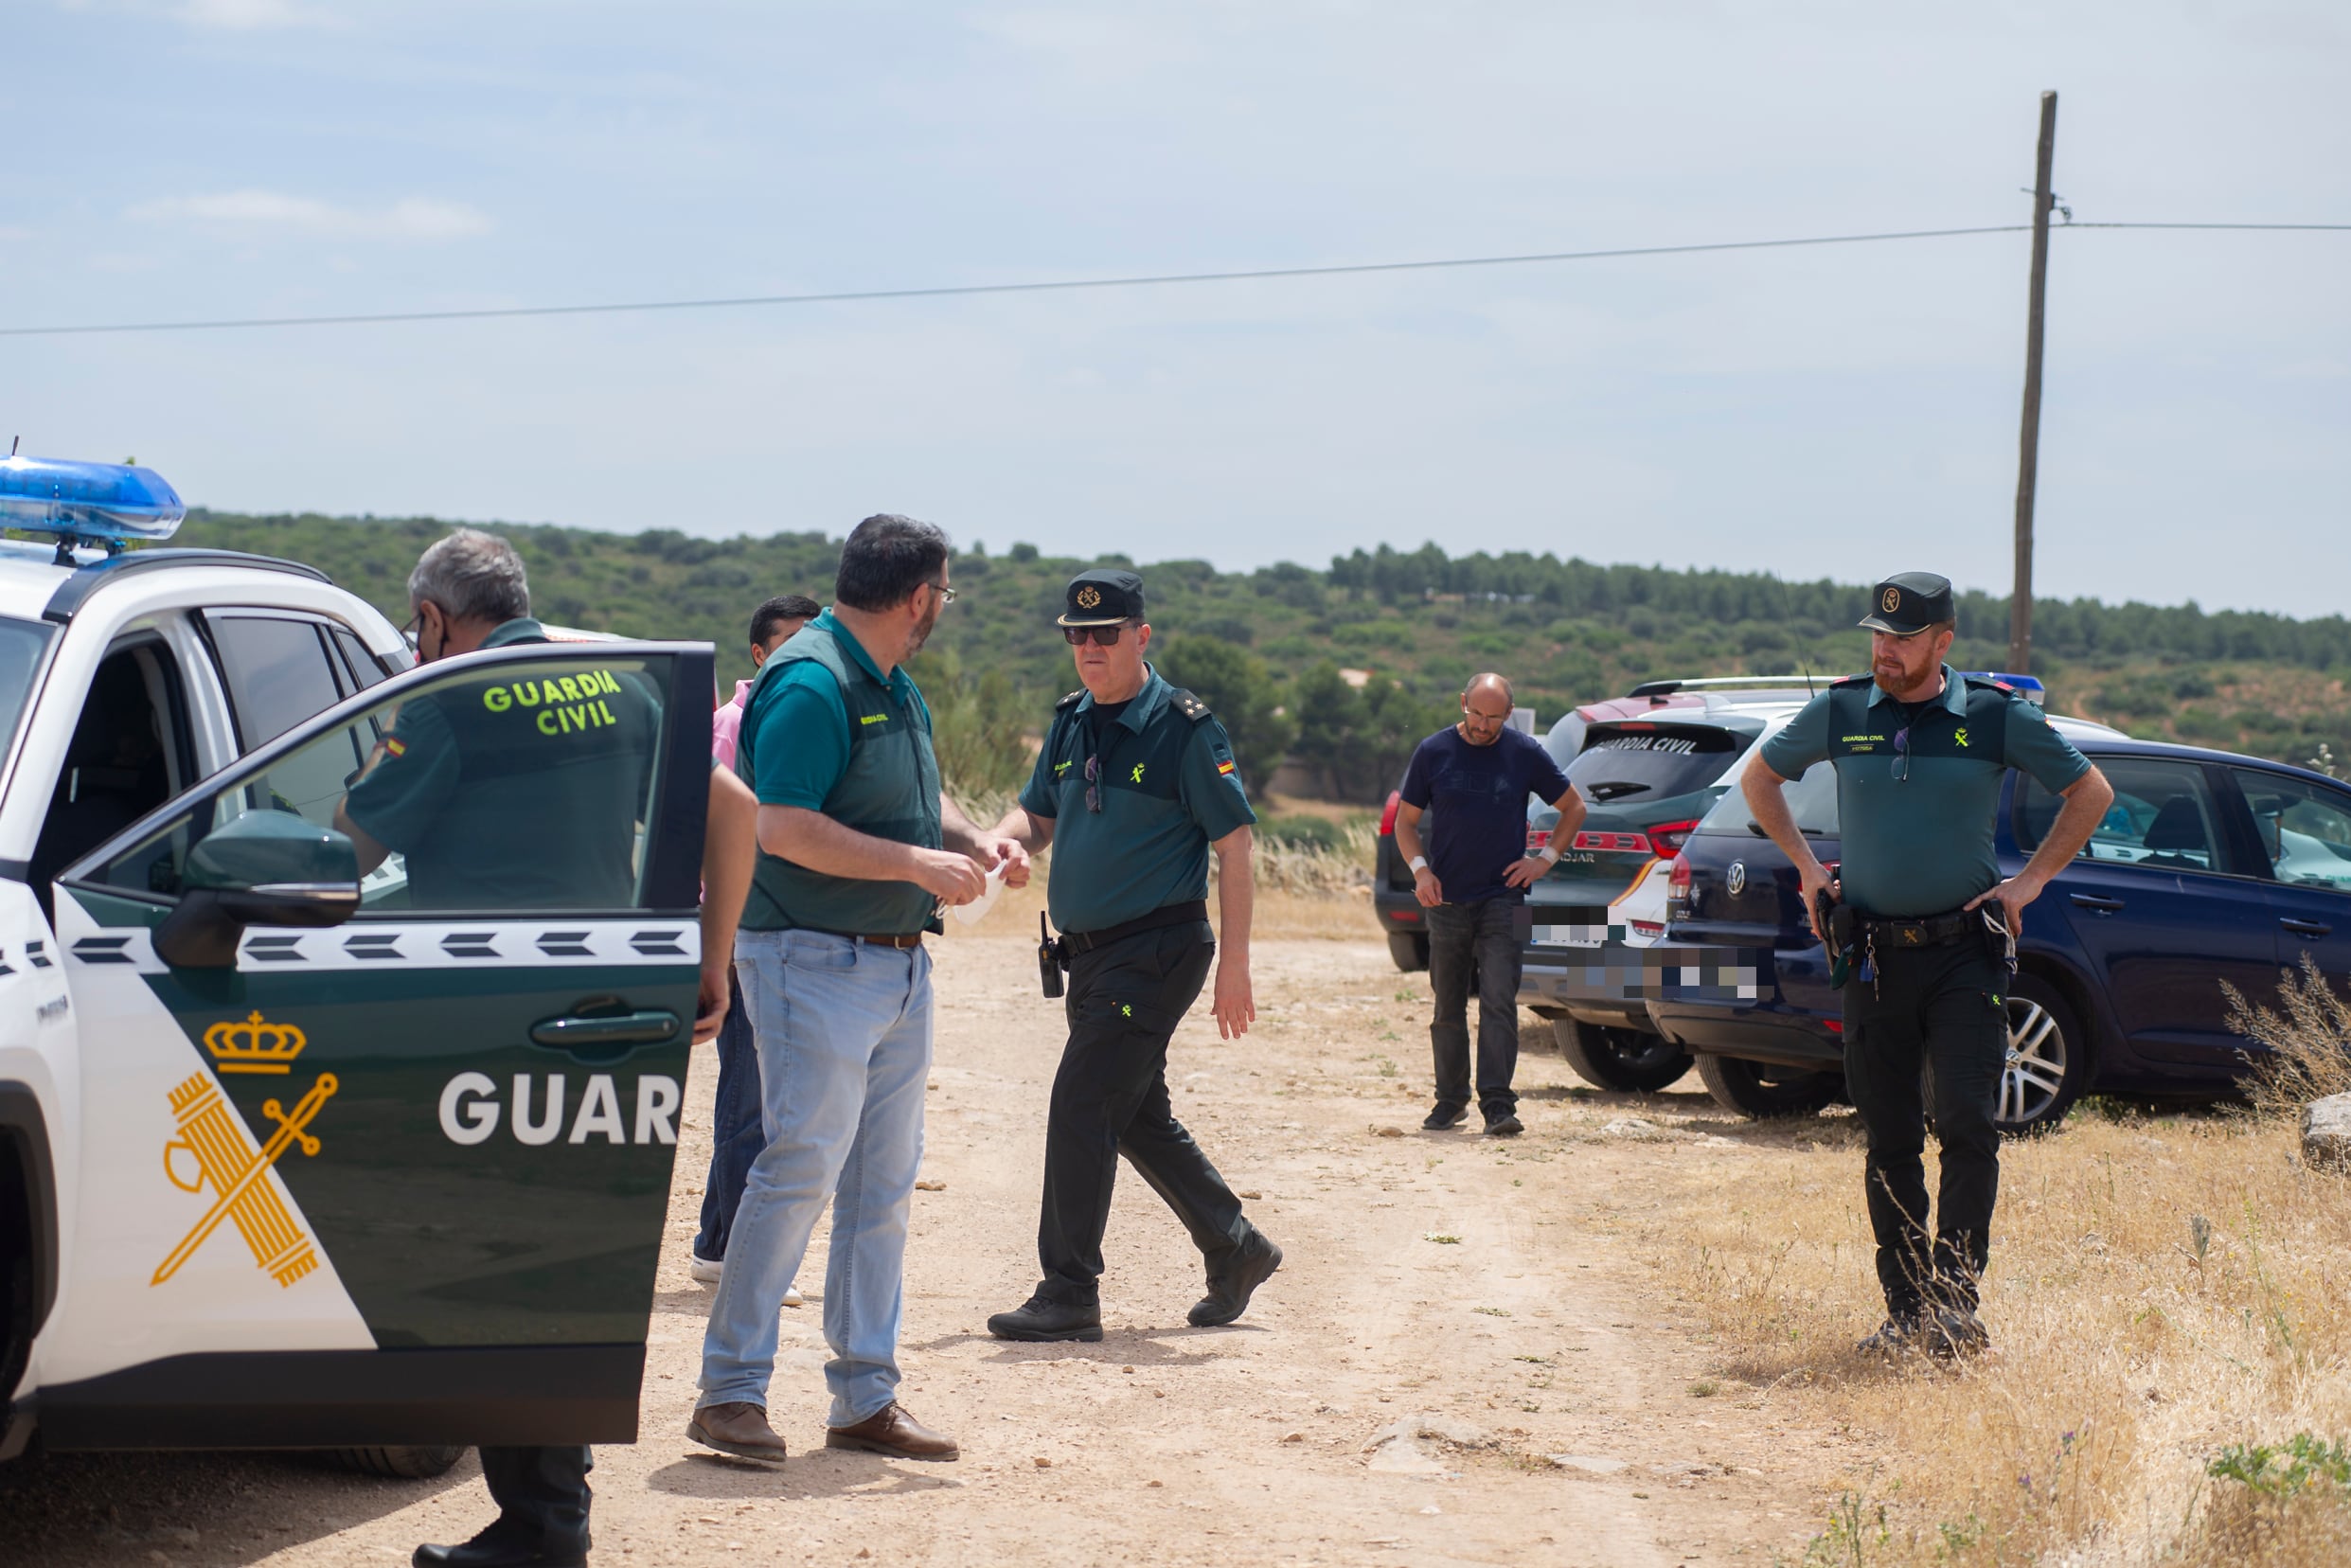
(519, 793)
(1916, 802)
(823, 731)
(1169, 789)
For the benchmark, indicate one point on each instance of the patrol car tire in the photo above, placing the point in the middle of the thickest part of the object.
(1626, 1061)
(1410, 950)
(2043, 1034)
(1762, 1091)
(416, 1463)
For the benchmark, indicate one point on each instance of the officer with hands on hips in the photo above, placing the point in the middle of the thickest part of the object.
(1924, 929)
(1135, 787)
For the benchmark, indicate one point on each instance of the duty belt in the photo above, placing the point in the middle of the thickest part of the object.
(1926, 932)
(911, 940)
(1164, 916)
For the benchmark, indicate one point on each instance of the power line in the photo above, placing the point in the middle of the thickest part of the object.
(1063, 285)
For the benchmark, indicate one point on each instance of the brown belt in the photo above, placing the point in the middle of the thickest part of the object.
(911, 940)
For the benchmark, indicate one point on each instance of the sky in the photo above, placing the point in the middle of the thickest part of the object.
(1843, 412)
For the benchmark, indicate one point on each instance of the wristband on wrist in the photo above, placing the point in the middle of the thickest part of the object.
(1548, 854)
(1418, 864)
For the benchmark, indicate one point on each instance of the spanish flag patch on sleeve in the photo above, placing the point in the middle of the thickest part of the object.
(1225, 766)
(395, 745)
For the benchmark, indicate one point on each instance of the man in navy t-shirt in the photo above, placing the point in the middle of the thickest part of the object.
(1471, 878)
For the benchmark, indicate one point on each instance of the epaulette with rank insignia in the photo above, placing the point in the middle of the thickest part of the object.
(1188, 705)
(1069, 700)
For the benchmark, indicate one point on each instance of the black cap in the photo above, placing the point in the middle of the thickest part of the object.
(1908, 602)
(1103, 596)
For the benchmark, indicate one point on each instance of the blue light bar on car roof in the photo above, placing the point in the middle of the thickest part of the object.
(87, 503)
(2028, 685)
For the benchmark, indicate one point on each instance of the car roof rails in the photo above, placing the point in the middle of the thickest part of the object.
(72, 593)
(1658, 690)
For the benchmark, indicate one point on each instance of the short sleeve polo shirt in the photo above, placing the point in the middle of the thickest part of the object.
(1168, 787)
(1916, 797)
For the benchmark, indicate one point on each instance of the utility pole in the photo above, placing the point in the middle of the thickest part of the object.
(2028, 439)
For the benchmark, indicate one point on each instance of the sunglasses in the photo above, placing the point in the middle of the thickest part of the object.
(1901, 755)
(1093, 783)
(1102, 637)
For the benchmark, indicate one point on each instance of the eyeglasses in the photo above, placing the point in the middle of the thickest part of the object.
(946, 594)
(1901, 755)
(1102, 637)
(1094, 779)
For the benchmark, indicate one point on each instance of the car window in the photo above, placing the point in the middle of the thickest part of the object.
(278, 673)
(2306, 828)
(507, 791)
(362, 668)
(22, 645)
(1811, 800)
(2162, 816)
(1643, 761)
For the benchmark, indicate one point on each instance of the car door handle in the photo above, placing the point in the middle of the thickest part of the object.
(2098, 902)
(2305, 928)
(603, 1034)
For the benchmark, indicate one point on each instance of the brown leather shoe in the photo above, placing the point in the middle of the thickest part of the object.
(891, 1430)
(737, 1428)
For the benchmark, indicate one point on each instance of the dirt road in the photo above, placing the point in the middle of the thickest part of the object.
(1501, 1289)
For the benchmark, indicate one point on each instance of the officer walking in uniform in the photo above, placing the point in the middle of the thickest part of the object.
(1135, 787)
(1923, 930)
(490, 808)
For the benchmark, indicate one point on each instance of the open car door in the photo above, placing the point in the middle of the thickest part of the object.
(385, 1033)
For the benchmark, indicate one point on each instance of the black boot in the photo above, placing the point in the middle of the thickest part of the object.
(1040, 1318)
(498, 1547)
(1232, 1283)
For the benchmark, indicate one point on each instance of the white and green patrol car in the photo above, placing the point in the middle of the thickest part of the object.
(291, 1156)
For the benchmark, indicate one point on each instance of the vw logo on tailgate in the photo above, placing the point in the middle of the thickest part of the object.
(1737, 879)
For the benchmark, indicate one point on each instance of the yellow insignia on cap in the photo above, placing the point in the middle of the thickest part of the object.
(1892, 600)
(1088, 597)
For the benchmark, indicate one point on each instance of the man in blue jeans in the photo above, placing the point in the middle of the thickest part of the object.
(1472, 878)
(858, 851)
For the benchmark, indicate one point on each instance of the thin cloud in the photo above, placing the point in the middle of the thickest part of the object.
(250, 15)
(411, 218)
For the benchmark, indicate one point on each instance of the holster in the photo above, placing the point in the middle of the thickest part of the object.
(1051, 958)
(1844, 928)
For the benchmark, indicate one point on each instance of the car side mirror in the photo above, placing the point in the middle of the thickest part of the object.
(269, 869)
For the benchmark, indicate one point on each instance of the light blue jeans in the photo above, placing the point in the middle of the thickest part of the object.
(843, 1035)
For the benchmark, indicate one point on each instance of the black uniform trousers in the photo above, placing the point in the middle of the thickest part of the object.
(1937, 1009)
(541, 1493)
(1109, 1098)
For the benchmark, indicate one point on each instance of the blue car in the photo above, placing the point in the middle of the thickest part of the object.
(2209, 867)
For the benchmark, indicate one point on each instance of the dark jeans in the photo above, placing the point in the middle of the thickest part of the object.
(738, 1132)
(541, 1494)
(1476, 941)
(1111, 1098)
(1934, 1009)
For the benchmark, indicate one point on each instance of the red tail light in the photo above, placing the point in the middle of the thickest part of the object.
(1615, 844)
(1667, 838)
(1678, 880)
(1836, 1026)
(1388, 818)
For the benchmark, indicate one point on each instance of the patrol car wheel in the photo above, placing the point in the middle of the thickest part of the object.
(1410, 950)
(400, 1463)
(1762, 1090)
(1625, 1061)
(2047, 1066)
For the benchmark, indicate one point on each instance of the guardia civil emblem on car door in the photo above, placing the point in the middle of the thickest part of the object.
(1737, 881)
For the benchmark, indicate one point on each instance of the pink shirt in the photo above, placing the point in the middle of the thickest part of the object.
(726, 725)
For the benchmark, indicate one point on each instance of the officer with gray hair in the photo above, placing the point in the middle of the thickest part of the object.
(463, 589)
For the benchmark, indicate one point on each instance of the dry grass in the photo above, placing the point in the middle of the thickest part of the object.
(2163, 1287)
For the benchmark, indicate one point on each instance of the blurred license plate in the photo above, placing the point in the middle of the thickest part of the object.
(1570, 935)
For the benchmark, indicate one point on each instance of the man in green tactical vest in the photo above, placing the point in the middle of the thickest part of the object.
(1924, 927)
(859, 850)
(1134, 790)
